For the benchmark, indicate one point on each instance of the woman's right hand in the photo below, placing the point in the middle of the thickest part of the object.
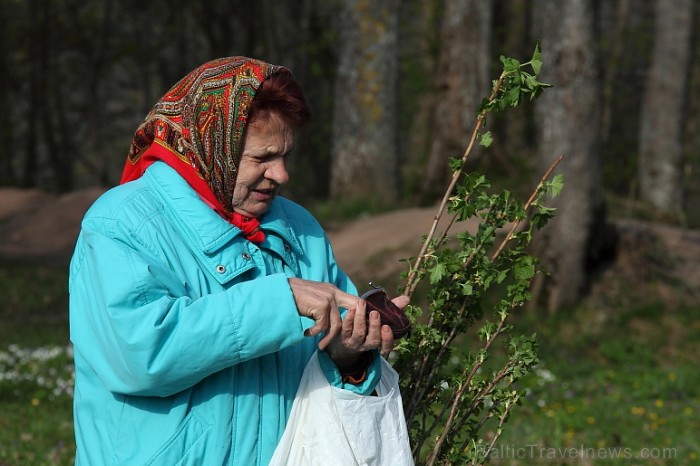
(321, 302)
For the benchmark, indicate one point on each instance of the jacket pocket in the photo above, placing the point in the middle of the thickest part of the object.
(186, 446)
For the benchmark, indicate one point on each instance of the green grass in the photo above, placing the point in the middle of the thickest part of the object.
(615, 387)
(33, 309)
(35, 368)
(330, 213)
(36, 431)
(617, 378)
(607, 414)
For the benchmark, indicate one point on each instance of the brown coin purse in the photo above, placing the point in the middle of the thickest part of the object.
(378, 300)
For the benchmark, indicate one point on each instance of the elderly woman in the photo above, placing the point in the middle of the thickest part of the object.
(197, 294)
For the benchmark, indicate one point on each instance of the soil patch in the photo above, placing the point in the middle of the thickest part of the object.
(39, 228)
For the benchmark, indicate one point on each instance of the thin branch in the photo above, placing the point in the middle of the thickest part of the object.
(465, 399)
(418, 393)
(411, 280)
(499, 430)
(527, 205)
(458, 394)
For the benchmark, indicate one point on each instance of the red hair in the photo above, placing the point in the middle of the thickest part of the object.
(280, 93)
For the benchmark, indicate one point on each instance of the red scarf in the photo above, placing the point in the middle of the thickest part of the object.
(197, 128)
(248, 225)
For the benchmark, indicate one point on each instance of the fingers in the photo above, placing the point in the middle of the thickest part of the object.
(356, 333)
(335, 326)
(349, 321)
(341, 299)
(345, 300)
(359, 332)
(387, 345)
(401, 301)
(326, 319)
(321, 321)
(320, 302)
(373, 336)
(387, 341)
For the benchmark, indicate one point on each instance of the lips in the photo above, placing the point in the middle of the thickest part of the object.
(263, 194)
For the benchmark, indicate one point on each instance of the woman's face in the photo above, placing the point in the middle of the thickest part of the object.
(263, 166)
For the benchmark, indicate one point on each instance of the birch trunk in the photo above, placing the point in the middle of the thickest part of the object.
(364, 152)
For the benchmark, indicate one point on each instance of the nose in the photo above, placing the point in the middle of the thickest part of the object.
(277, 171)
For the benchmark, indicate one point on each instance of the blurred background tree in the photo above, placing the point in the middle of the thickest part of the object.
(364, 163)
(568, 117)
(661, 158)
(393, 86)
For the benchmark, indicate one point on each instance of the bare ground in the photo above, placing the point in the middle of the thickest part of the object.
(39, 228)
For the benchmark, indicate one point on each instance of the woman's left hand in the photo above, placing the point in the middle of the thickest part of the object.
(357, 337)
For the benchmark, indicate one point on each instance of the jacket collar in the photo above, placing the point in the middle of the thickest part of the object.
(204, 229)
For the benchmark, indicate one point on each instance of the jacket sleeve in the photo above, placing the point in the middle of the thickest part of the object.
(133, 321)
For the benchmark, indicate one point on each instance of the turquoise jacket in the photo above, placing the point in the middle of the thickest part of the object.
(188, 344)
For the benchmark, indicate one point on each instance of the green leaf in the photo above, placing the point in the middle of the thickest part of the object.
(437, 273)
(556, 185)
(536, 61)
(512, 97)
(542, 216)
(485, 105)
(467, 289)
(529, 82)
(486, 331)
(486, 139)
(509, 64)
(455, 164)
(524, 270)
(462, 275)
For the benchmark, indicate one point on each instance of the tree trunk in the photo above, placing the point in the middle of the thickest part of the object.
(419, 50)
(569, 119)
(661, 133)
(31, 156)
(463, 80)
(513, 147)
(364, 152)
(296, 26)
(692, 136)
(617, 17)
(7, 172)
(55, 135)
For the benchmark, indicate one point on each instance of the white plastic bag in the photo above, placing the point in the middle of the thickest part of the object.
(329, 426)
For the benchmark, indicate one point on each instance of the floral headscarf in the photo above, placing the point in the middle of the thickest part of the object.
(197, 128)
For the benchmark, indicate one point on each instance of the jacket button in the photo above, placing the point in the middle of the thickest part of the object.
(220, 269)
(245, 256)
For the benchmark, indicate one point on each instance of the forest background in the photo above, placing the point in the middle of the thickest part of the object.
(394, 87)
